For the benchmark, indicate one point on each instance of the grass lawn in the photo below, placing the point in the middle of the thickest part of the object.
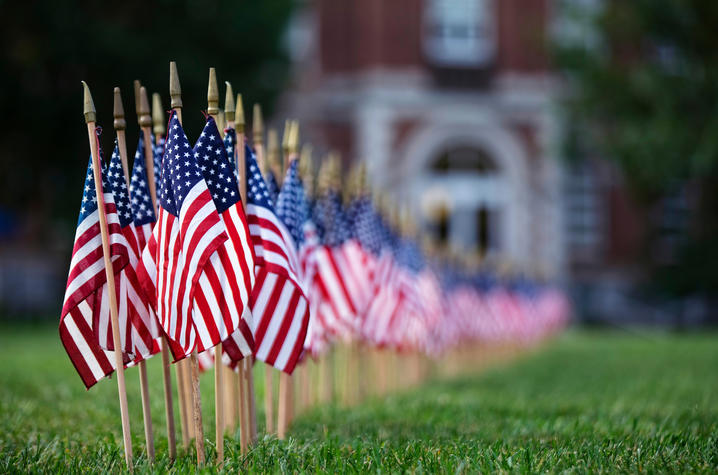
(586, 402)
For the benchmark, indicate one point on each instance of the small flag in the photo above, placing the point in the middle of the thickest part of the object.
(279, 306)
(222, 295)
(86, 277)
(188, 231)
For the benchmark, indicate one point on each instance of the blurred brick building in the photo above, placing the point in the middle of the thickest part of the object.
(453, 105)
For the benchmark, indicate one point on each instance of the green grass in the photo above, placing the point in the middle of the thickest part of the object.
(587, 402)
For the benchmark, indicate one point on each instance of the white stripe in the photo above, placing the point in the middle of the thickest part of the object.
(292, 335)
(277, 318)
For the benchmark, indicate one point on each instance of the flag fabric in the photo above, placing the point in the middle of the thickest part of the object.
(188, 231)
(222, 296)
(85, 280)
(294, 211)
(158, 150)
(337, 306)
(280, 310)
(143, 211)
(272, 186)
(137, 321)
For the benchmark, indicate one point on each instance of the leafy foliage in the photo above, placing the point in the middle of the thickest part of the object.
(647, 97)
(600, 402)
(49, 46)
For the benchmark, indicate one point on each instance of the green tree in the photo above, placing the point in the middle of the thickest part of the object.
(646, 94)
(48, 46)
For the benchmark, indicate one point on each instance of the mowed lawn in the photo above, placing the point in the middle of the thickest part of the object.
(586, 402)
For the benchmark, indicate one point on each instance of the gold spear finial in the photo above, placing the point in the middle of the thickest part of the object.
(158, 115)
(89, 105)
(212, 93)
(361, 178)
(239, 115)
(144, 110)
(335, 170)
(229, 103)
(293, 141)
(257, 125)
(175, 89)
(221, 121)
(137, 84)
(306, 169)
(118, 111)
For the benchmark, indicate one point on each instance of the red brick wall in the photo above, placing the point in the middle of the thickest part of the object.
(356, 35)
(522, 35)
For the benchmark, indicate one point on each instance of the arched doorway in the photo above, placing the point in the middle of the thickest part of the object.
(463, 205)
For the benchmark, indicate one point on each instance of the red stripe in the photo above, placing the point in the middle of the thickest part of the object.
(281, 335)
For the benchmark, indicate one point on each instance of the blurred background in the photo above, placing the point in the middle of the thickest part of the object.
(574, 141)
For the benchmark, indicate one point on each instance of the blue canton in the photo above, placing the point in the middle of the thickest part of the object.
(257, 192)
(179, 169)
(331, 220)
(292, 205)
(211, 156)
(158, 149)
(368, 225)
(116, 180)
(89, 198)
(408, 255)
(272, 186)
(142, 210)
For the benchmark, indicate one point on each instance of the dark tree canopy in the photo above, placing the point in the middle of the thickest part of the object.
(647, 97)
(48, 46)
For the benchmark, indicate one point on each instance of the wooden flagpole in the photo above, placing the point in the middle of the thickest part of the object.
(309, 381)
(258, 142)
(231, 396)
(158, 128)
(120, 124)
(90, 120)
(176, 97)
(248, 421)
(184, 390)
(213, 110)
(286, 392)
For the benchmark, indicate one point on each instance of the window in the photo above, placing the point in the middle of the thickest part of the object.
(463, 159)
(585, 222)
(459, 33)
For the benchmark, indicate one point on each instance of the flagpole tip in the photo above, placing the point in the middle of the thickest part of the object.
(257, 125)
(158, 115)
(293, 142)
(272, 161)
(144, 111)
(89, 105)
(212, 94)
(229, 102)
(118, 111)
(175, 89)
(285, 136)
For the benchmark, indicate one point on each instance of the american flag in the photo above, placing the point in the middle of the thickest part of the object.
(86, 278)
(334, 276)
(137, 321)
(279, 306)
(294, 211)
(143, 212)
(188, 231)
(272, 186)
(387, 298)
(222, 295)
(158, 149)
